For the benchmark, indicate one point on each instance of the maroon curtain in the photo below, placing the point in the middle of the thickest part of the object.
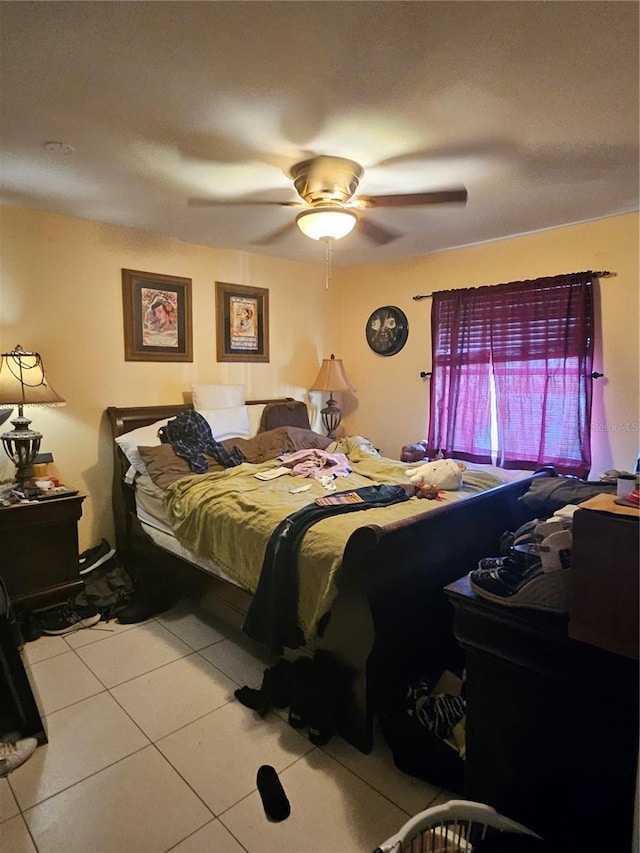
(460, 413)
(535, 340)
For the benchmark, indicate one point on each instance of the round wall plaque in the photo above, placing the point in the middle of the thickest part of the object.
(387, 330)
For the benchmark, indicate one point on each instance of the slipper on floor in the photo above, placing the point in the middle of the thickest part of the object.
(274, 800)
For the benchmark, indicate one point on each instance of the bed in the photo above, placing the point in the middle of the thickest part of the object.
(384, 616)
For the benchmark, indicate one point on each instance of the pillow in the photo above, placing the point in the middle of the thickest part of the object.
(206, 397)
(228, 423)
(164, 466)
(255, 416)
(130, 441)
(285, 413)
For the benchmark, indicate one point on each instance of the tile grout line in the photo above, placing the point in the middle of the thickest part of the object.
(81, 781)
(173, 731)
(373, 787)
(127, 680)
(154, 743)
(189, 786)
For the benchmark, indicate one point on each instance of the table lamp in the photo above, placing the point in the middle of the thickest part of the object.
(331, 377)
(23, 383)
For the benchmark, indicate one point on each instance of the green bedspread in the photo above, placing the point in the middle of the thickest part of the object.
(228, 517)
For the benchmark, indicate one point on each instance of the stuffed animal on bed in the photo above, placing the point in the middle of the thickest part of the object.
(439, 474)
(414, 452)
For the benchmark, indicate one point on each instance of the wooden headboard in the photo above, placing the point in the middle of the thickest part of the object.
(125, 420)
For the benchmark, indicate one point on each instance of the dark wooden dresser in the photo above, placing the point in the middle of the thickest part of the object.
(606, 565)
(552, 724)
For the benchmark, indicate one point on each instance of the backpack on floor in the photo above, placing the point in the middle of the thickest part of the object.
(108, 588)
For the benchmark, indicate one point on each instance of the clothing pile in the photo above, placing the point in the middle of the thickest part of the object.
(106, 594)
(315, 463)
(191, 438)
(426, 730)
(314, 690)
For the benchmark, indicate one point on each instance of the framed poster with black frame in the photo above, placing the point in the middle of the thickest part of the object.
(157, 317)
(242, 323)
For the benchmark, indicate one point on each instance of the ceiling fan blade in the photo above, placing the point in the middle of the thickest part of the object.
(222, 202)
(484, 148)
(278, 234)
(376, 233)
(413, 199)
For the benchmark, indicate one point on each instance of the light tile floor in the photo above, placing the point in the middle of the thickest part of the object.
(150, 751)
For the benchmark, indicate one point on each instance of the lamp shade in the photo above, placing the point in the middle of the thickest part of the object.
(331, 376)
(22, 380)
(323, 223)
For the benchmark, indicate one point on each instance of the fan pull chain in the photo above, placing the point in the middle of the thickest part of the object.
(328, 272)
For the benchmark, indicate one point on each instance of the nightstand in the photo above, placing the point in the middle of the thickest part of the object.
(39, 551)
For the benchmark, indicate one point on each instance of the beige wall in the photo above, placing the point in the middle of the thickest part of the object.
(60, 293)
(391, 401)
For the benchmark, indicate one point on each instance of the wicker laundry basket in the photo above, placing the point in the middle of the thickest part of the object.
(454, 827)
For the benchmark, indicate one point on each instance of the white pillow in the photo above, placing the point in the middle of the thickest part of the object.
(228, 423)
(255, 416)
(208, 397)
(145, 436)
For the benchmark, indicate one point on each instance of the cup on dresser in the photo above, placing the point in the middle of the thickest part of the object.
(625, 485)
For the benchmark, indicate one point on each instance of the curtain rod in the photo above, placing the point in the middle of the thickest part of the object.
(595, 274)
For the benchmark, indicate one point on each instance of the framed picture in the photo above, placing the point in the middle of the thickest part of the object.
(157, 317)
(242, 322)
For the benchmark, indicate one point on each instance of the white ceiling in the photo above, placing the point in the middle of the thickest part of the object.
(533, 106)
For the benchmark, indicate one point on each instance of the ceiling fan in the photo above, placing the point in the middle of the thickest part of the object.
(326, 186)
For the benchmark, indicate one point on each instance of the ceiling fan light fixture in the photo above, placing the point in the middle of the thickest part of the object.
(326, 223)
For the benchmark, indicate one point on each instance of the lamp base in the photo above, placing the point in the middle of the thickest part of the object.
(22, 446)
(331, 417)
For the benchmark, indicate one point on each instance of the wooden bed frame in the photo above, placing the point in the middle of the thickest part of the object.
(391, 619)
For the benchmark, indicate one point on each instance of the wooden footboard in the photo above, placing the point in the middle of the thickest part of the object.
(391, 619)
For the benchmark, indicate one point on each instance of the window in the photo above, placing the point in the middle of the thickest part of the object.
(511, 373)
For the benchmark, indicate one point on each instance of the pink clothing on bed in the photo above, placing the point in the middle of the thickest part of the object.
(316, 463)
